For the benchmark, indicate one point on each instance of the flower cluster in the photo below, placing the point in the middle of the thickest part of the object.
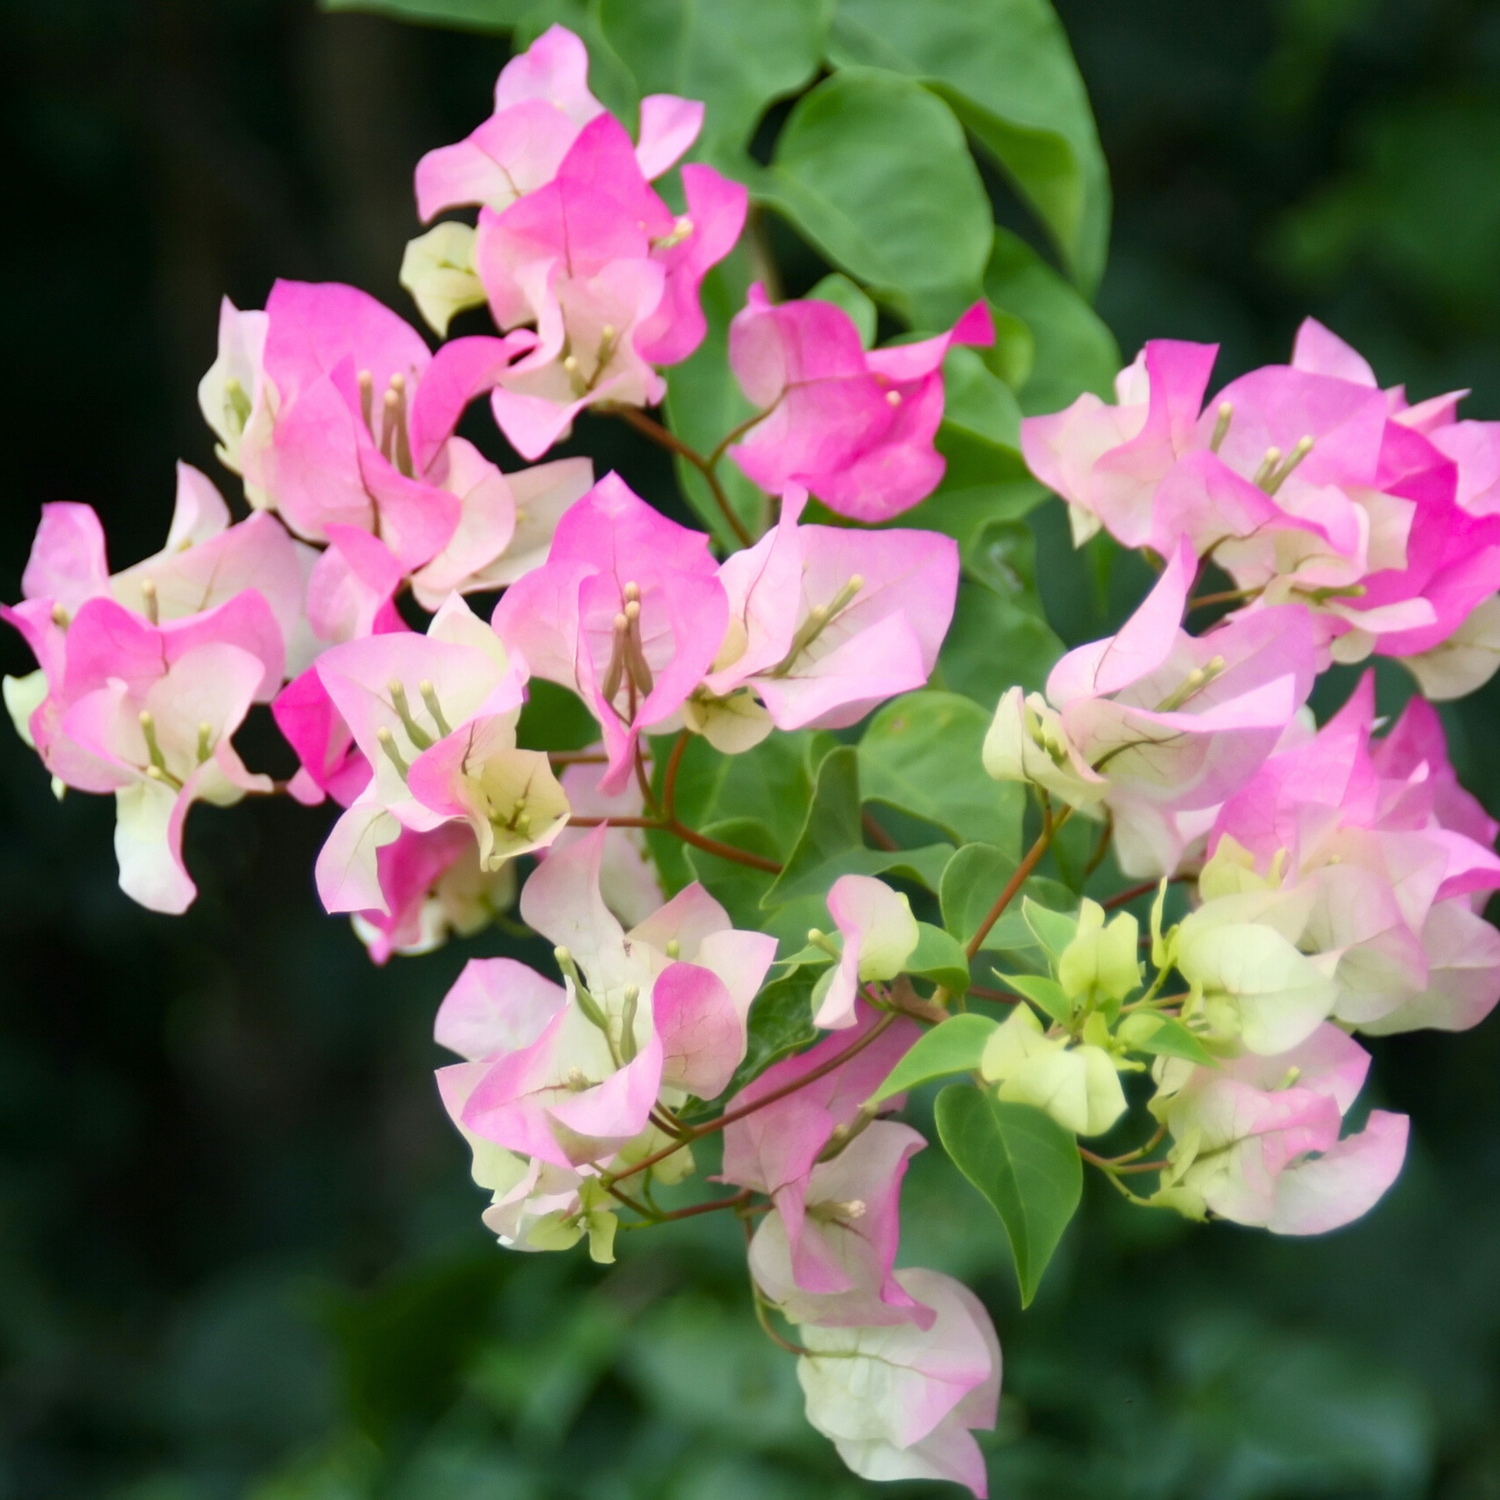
(1334, 877)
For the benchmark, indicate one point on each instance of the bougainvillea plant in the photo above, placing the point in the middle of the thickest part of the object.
(846, 821)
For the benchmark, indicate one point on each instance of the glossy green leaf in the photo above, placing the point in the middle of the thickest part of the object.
(975, 491)
(980, 407)
(1006, 68)
(832, 840)
(1054, 929)
(780, 1023)
(741, 889)
(971, 885)
(1024, 1163)
(875, 172)
(735, 55)
(939, 958)
(921, 754)
(839, 290)
(1002, 556)
(1041, 991)
(995, 641)
(955, 1046)
(1167, 1038)
(1075, 352)
(770, 784)
(554, 719)
(463, 15)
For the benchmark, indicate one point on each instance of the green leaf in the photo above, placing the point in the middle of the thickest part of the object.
(1002, 556)
(1169, 1038)
(875, 172)
(954, 1046)
(554, 719)
(832, 840)
(737, 887)
(770, 784)
(971, 885)
(1025, 1163)
(839, 290)
(780, 1023)
(735, 55)
(921, 754)
(1006, 68)
(464, 15)
(704, 404)
(1054, 929)
(1075, 352)
(980, 407)
(1042, 991)
(971, 495)
(994, 642)
(939, 957)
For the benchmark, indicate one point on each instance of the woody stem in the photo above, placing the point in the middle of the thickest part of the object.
(688, 836)
(1023, 870)
(669, 440)
(731, 1116)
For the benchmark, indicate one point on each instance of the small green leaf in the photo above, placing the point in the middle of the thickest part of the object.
(780, 1023)
(1054, 929)
(842, 293)
(463, 15)
(921, 754)
(1025, 1163)
(1168, 1038)
(807, 957)
(735, 55)
(832, 840)
(1041, 991)
(875, 172)
(939, 958)
(737, 887)
(954, 1046)
(704, 403)
(980, 405)
(995, 642)
(971, 885)
(554, 719)
(974, 492)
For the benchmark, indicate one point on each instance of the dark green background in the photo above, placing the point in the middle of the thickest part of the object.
(238, 1251)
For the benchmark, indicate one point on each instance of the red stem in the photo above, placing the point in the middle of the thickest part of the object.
(1016, 881)
(821, 1071)
(669, 440)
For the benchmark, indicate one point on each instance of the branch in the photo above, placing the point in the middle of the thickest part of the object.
(739, 1200)
(669, 440)
(1023, 870)
(733, 1115)
(687, 835)
(669, 779)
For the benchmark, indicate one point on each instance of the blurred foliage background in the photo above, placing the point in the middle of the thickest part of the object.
(239, 1252)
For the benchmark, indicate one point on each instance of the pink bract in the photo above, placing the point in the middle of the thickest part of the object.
(855, 428)
(606, 274)
(542, 101)
(362, 434)
(627, 612)
(895, 592)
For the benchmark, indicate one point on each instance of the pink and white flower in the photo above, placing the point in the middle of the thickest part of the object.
(542, 102)
(852, 426)
(1257, 1138)
(824, 624)
(900, 1401)
(627, 612)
